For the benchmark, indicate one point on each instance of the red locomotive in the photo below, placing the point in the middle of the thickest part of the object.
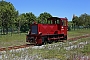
(55, 29)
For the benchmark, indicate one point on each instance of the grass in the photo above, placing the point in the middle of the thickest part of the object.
(63, 54)
(19, 39)
(51, 51)
(15, 39)
(78, 32)
(86, 49)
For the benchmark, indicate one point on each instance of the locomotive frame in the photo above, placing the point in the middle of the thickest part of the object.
(55, 29)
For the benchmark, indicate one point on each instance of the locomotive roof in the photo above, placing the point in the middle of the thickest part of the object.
(58, 18)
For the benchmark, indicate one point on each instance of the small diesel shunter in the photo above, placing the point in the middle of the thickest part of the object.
(54, 30)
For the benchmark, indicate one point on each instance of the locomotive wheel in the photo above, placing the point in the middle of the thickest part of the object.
(44, 43)
(56, 41)
(50, 41)
(65, 37)
(44, 39)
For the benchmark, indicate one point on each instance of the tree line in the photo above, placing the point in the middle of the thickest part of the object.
(82, 20)
(11, 19)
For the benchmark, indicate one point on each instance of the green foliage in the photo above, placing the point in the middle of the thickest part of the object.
(24, 21)
(43, 17)
(70, 23)
(8, 14)
(20, 21)
(85, 19)
(30, 17)
(75, 20)
(10, 18)
(82, 20)
(86, 49)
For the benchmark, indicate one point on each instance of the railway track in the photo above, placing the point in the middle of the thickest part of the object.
(15, 47)
(79, 37)
(28, 45)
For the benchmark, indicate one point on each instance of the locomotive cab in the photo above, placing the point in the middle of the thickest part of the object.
(61, 24)
(53, 30)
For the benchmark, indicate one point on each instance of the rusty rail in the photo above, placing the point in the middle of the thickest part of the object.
(15, 47)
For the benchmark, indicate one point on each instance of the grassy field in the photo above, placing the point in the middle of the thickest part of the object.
(19, 39)
(69, 50)
(78, 32)
(15, 39)
(55, 51)
(59, 51)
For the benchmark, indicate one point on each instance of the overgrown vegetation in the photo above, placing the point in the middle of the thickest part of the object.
(86, 49)
(55, 51)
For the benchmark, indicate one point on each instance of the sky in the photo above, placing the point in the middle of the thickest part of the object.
(57, 8)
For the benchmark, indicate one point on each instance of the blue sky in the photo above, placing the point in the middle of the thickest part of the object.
(59, 8)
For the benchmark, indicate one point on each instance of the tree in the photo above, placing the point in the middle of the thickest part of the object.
(85, 19)
(82, 20)
(43, 17)
(20, 21)
(75, 19)
(24, 20)
(30, 17)
(8, 15)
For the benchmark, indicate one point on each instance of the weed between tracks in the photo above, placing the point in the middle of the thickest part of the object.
(73, 50)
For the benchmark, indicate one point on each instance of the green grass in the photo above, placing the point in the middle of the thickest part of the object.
(48, 54)
(78, 32)
(86, 49)
(61, 53)
(15, 39)
(54, 52)
(19, 39)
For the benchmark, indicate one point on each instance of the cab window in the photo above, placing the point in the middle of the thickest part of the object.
(54, 21)
(64, 23)
(49, 21)
(58, 21)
